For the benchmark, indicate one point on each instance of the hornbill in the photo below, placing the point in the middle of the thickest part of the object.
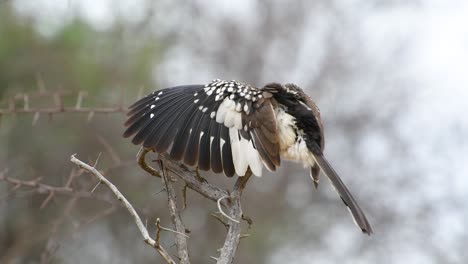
(229, 127)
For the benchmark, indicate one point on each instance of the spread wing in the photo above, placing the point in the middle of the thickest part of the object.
(225, 126)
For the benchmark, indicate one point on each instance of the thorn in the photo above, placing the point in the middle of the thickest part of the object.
(58, 100)
(244, 236)
(47, 200)
(79, 100)
(40, 83)
(170, 230)
(95, 187)
(160, 191)
(96, 162)
(35, 118)
(220, 220)
(26, 102)
(90, 116)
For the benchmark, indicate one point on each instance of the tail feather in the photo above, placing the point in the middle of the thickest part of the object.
(356, 212)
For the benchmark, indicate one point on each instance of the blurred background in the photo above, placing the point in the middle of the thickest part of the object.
(390, 78)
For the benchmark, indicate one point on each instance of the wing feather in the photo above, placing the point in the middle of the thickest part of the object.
(154, 120)
(139, 120)
(204, 155)
(228, 164)
(215, 137)
(223, 126)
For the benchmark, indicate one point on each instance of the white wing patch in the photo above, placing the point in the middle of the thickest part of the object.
(227, 114)
(244, 154)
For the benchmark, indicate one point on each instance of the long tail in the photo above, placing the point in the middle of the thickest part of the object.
(356, 212)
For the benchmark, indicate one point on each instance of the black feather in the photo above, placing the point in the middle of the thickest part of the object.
(182, 137)
(192, 150)
(141, 119)
(165, 127)
(205, 148)
(180, 117)
(228, 165)
(216, 163)
(161, 114)
(151, 99)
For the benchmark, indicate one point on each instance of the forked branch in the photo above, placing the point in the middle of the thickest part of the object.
(141, 226)
(231, 201)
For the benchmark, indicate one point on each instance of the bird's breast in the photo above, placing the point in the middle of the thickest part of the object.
(291, 141)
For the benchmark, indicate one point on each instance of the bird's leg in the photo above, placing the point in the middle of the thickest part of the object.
(199, 177)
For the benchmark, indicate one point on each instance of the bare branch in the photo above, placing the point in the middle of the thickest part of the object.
(222, 197)
(110, 150)
(57, 110)
(181, 241)
(59, 106)
(234, 233)
(131, 210)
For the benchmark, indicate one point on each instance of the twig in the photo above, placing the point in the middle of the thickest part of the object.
(234, 233)
(47, 200)
(57, 110)
(181, 241)
(42, 188)
(144, 232)
(110, 150)
(220, 220)
(173, 231)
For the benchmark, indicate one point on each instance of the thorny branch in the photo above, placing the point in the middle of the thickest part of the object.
(181, 241)
(141, 226)
(41, 188)
(230, 201)
(234, 233)
(36, 186)
(20, 104)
